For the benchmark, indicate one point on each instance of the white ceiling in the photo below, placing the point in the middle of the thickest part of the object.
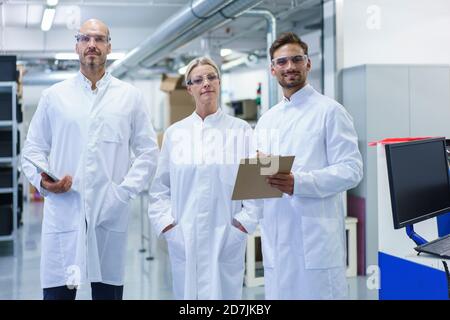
(132, 21)
(136, 13)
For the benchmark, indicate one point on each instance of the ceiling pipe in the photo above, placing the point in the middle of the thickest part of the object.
(183, 27)
(223, 17)
(270, 38)
(272, 26)
(188, 17)
(281, 18)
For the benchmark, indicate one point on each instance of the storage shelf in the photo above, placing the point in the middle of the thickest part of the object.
(6, 123)
(11, 87)
(8, 86)
(6, 160)
(7, 238)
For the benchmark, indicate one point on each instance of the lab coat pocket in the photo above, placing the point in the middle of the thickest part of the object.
(307, 147)
(175, 243)
(62, 212)
(322, 242)
(114, 212)
(111, 129)
(234, 247)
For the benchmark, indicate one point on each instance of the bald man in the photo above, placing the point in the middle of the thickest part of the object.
(84, 131)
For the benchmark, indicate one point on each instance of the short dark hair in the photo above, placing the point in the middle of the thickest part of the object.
(286, 38)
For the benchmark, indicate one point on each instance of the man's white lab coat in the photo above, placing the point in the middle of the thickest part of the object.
(303, 235)
(89, 135)
(192, 188)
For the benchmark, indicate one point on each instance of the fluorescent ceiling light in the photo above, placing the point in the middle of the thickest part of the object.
(116, 55)
(225, 52)
(74, 56)
(182, 70)
(234, 63)
(66, 56)
(52, 2)
(47, 19)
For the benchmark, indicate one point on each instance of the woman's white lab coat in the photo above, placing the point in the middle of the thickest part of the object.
(192, 188)
(90, 136)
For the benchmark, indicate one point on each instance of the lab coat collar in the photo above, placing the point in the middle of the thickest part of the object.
(210, 119)
(100, 83)
(300, 95)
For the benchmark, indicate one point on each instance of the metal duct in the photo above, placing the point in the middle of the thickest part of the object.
(179, 30)
(270, 38)
(185, 19)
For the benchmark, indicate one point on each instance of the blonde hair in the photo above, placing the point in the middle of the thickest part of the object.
(201, 61)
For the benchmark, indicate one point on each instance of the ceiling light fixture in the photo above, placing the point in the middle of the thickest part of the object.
(225, 52)
(66, 56)
(49, 15)
(116, 55)
(182, 70)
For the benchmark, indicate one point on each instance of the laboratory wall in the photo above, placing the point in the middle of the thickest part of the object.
(392, 31)
(385, 35)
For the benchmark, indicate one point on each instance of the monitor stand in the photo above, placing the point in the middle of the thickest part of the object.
(414, 236)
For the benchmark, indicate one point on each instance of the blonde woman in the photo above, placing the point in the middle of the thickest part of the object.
(190, 196)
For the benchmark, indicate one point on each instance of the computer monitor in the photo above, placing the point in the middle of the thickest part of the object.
(418, 180)
(8, 69)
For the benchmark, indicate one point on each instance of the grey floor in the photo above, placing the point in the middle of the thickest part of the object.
(144, 279)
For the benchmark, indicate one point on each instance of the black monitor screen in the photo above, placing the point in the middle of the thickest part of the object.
(418, 180)
(8, 70)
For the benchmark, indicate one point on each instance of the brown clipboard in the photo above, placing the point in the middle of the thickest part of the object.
(252, 174)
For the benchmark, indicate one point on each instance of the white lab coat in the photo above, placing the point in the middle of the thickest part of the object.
(303, 235)
(192, 188)
(89, 135)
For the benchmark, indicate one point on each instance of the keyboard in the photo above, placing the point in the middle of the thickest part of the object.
(439, 247)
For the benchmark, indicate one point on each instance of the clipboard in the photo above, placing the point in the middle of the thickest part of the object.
(42, 169)
(252, 174)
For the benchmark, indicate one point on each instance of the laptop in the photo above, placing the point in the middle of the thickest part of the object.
(439, 247)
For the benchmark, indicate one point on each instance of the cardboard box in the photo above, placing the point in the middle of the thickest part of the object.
(180, 104)
(21, 72)
(244, 109)
(19, 90)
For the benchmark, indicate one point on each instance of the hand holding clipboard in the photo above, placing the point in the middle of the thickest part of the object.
(253, 174)
(49, 180)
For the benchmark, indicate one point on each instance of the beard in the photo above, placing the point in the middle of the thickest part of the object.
(92, 62)
(298, 81)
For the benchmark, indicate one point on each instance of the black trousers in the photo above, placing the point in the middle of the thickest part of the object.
(100, 291)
